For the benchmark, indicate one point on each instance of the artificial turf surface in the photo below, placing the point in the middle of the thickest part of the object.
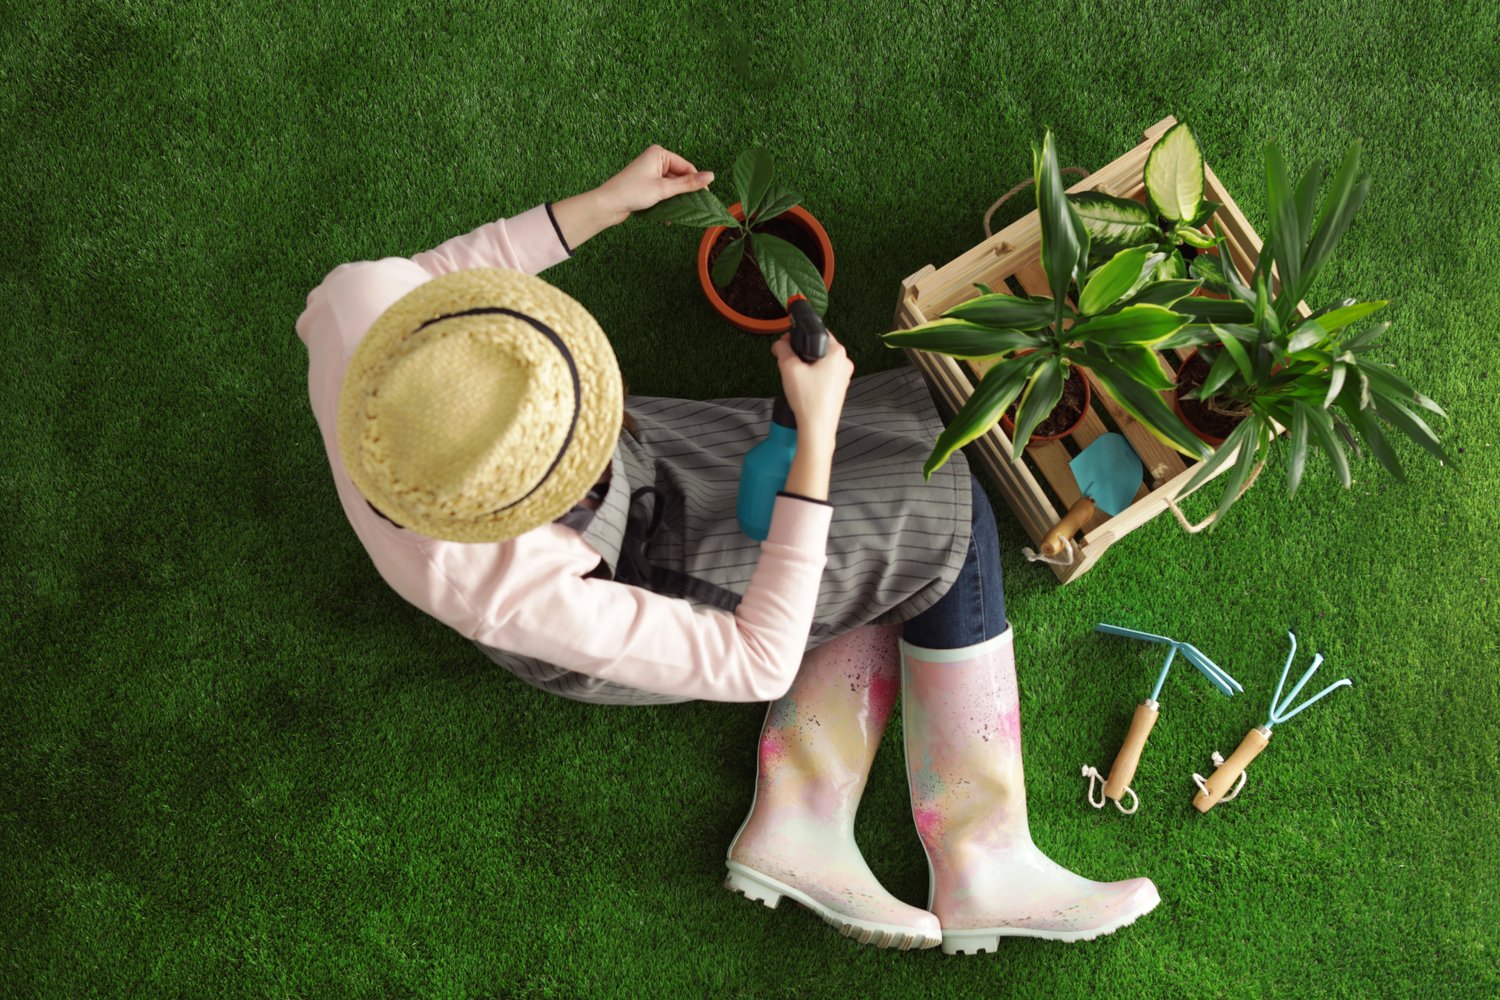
(234, 763)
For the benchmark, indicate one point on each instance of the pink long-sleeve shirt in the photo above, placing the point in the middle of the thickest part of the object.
(532, 595)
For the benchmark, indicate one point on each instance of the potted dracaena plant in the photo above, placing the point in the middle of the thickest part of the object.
(1261, 366)
(758, 253)
(1108, 318)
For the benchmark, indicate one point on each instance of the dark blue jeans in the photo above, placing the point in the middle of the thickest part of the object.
(973, 609)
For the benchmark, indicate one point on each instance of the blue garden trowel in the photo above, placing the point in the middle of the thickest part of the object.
(1108, 472)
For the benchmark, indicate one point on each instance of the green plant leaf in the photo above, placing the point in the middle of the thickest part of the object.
(1140, 364)
(1220, 370)
(1205, 212)
(995, 392)
(1236, 350)
(1215, 310)
(1321, 425)
(788, 271)
(1192, 237)
(1232, 279)
(983, 288)
(1115, 222)
(1414, 427)
(1207, 268)
(1038, 401)
(1156, 416)
(1191, 335)
(752, 175)
(1216, 461)
(999, 309)
(777, 200)
(1286, 238)
(1368, 424)
(1062, 251)
(1297, 456)
(1254, 442)
(728, 262)
(1174, 174)
(1115, 279)
(1143, 324)
(1319, 328)
(1171, 268)
(695, 208)
(1344, 199)
(1307, 198)
(1163, 293)
(1363, 341)
(962, 339)
(1337, 373)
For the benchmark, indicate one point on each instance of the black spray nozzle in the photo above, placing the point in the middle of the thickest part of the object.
(810, 341)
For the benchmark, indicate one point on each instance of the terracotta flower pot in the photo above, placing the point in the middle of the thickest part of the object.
(1207, 437)
(1088, 396)
(750, 324)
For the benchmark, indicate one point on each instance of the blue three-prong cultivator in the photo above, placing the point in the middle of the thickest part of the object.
(1117, 785)
(1217, 787)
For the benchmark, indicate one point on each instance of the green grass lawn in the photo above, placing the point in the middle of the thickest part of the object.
(234, 763)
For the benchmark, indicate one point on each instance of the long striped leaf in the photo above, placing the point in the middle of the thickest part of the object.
(1297, 456)
(1321, 425)
(981, 411)
(1062, 250)
(1040, 398)
(1144, 324)
(961, 339)
(999, 309)
(1146, 405)
(1115, 279)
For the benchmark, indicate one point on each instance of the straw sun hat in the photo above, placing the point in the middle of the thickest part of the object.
(480, 405)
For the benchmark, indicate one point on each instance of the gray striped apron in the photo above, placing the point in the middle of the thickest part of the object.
(668, 521)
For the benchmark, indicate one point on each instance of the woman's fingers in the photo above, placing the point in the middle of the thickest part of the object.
(675, 165)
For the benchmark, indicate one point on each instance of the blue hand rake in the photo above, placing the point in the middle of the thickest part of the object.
(1117, 785)
(1216, 787)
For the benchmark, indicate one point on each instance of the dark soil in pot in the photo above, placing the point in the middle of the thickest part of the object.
(747, 292)
(1067, 412)
(1191, 375)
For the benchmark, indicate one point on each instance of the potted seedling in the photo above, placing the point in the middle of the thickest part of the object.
(1173, 215)
(1262, 366)
(1107, 318)
(758, 253)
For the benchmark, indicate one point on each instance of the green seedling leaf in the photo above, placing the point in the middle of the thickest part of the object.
(1172, 267)
(1207, 268)
(1220, 371)
(999, 309)
(752, 175)
(1321, 425)
(1297, 456)
(1142, 365)
(1174, 175)
(788, 272)
(728, 262)
(1113, 221)
(1191, 335)
(962, 339)
(1215, 310)
(699, 209)
(1192, 237)
(1255, 442)
(777, 200)
(1115, 279)
(1063, 252)
(1220, 455)
(1163, 293)
(1413, 426)
(1228, 337)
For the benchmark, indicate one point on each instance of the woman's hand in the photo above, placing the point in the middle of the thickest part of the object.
(653, 176)
(815, 389)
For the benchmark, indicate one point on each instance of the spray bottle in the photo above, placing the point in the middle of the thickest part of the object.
(767, 464)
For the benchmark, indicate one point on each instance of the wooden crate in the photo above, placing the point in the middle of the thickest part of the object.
(1040, 487)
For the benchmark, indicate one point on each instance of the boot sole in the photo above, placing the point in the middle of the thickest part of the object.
(764, 889)
(980, 940)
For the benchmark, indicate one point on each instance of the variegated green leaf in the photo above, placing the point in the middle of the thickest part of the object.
(961, 339)
(996, 390)
(1110, 283)
(1111, 221)
(999, 309)
(1174, 174)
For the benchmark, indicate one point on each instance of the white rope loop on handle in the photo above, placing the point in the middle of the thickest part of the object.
(1095, 778)
(989, 214)
(1228, 796)
(1068, 557)
(1193, 529)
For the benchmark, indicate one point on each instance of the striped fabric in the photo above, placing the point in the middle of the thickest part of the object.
(895, 545)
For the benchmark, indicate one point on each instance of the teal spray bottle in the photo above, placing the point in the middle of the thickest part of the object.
(765, 469)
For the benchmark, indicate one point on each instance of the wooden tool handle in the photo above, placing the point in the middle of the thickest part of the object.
(1077, 516)
(1123, 769)
(1227, 773)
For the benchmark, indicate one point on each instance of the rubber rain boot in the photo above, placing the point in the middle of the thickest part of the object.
(816, 747)
(962, 726)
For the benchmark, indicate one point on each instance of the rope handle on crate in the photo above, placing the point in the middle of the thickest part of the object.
(1193, 529)
(1080, 171)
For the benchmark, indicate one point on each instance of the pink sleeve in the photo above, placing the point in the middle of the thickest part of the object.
(664, 644)
(530, 242)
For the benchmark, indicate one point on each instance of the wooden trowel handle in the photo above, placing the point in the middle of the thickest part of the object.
(1077, 516)
(1122, 771)
(1225, 775)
